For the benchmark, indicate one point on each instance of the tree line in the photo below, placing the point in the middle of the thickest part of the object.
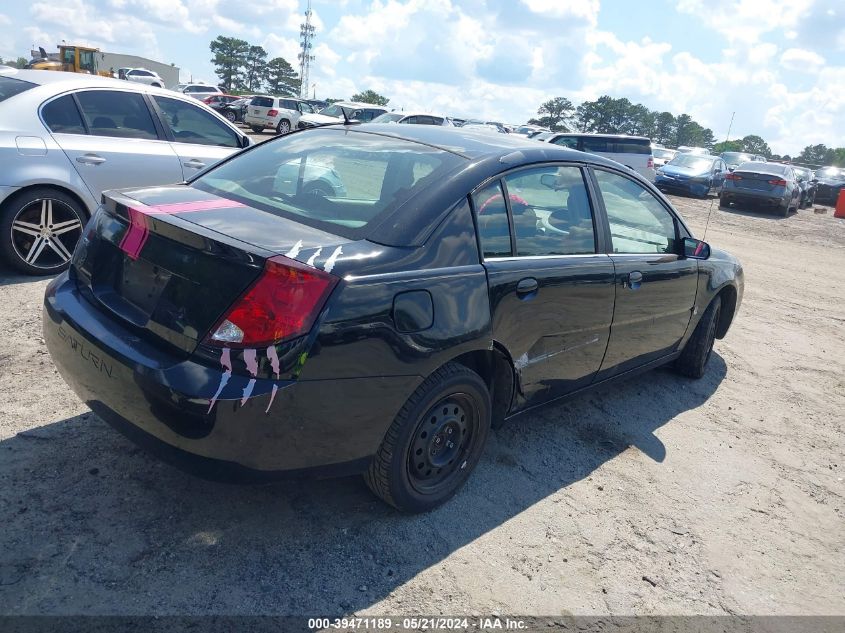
(608, 115)
(244, 67)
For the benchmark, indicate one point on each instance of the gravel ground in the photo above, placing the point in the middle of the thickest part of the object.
(659, 495)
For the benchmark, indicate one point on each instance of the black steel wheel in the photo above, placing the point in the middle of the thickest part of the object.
(435, 441)
(40, 229)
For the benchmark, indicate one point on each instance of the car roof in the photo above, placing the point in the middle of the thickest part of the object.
(608, 135)
(54, 77)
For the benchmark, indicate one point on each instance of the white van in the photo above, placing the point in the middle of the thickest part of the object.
(279, 113)
(632, 151)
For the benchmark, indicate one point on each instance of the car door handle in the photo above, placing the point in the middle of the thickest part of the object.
(633, 280)
(90, 159)
(526, 286)
(194, 164)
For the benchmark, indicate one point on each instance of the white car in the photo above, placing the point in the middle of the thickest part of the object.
(198, 91)
(280, 113)
(67, 137)
(144, 76)
(413, 118)
(632, 151)
(363, 112)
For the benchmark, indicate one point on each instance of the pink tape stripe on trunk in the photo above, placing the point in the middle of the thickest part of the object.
(135, 238)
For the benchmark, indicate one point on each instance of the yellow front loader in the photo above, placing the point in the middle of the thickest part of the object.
(72, 59)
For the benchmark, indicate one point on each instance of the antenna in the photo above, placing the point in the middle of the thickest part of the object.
(707, 224)
(306, 35)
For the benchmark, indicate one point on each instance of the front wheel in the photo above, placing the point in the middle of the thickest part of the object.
(693, 360)
(435, 441)
(283, 127)
(231, 116)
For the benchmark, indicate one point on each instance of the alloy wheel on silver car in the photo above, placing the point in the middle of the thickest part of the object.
(44, 233)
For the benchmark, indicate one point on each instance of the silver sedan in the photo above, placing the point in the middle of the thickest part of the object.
(65, 138)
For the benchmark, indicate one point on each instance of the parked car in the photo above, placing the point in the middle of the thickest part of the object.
(662, 155)
(68, 137)
(686, 149)
(198, 91)
(808, 185)
(692, 174)
(218, 101)
(530, 130)
(280, 113)
(732, 159)
(362, 112)
(234, 327)
(143, 76)
(413, 118)
(484, 127)
(632, 151)
(831, 180)
(762, 184)
(235, 111)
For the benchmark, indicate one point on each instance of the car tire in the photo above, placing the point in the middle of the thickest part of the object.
(723, 202)
(693, 359)
(231, 117)
(418, 467)
(27, 222)
(256, 129)
(320, 189)
(283, 127)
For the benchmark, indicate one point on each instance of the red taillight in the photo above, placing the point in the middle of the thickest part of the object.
(650, 163)
(282, 304)
(208, 100)
(733, 177)
(272, 113)
(777, 182)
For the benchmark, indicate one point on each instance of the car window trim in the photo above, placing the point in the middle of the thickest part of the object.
(72, 95)
(78, 105)
(171, 137)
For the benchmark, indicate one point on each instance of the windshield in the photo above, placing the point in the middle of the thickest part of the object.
(735, 158)
(10, 87)
(663, 153)
(388, 117)
(341, 181)
(691, 161)
(831, 173)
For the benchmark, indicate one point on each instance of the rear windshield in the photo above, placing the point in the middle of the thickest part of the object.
(339, 180)
(264, 102)
(10, 87)
(764, 168)
(663, 153)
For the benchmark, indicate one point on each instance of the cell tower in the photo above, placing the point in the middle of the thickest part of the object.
(306, 37)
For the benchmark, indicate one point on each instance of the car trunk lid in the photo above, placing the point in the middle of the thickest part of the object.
(756, 181)
(168, 262)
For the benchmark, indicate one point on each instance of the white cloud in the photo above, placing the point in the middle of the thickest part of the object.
(585, 9)
(800, 60)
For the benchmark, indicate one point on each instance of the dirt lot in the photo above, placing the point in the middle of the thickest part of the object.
(657, 496)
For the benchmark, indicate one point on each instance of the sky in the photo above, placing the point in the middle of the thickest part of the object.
(779, 65)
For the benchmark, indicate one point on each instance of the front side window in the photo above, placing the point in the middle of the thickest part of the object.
(116, 113)
(639, 223)
(551, 211)
(492, 218)
(191, 124)
(62, 117)
(86, 61)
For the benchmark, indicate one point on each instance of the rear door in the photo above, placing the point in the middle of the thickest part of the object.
(112, 140)
(258, 108)
(655, 287)
(551, 287)
(197, 137)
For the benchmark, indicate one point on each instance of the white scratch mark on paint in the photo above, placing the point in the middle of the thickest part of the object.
(226, 362)
(316, 254)
(295, 250)
(252, 366)
(332, 259)
(521, 362)
(274, 362)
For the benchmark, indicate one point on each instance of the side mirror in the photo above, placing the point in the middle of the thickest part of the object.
(246, 141)
(731, 168)
(548, 180)
(696, 249)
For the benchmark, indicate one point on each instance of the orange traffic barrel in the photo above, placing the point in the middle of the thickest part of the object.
(840, 205)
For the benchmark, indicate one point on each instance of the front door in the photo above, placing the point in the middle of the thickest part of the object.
(551, 290)
(655, 286)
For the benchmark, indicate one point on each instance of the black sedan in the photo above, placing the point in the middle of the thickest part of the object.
(830, 181)
(248, 325)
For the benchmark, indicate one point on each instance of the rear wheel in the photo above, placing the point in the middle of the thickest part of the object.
(231, 116)
(283, 127)
(435, 441)
(693, 360)
(723, 201)
(39, 230)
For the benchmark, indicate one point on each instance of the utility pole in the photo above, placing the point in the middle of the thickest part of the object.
(306, 36)
(730, 125)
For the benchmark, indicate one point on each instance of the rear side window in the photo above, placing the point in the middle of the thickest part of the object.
(288, 104)
(262, 102)
(567, 141)
(116, 113)
(616, 145)
(492, 218)
(10, 87)
(62, 117)
(191, 124)
(369, 176)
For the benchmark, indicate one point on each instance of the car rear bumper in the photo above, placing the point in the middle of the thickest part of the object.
(694, 187)
(256, 121)
(319, 427)
(749, 196)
